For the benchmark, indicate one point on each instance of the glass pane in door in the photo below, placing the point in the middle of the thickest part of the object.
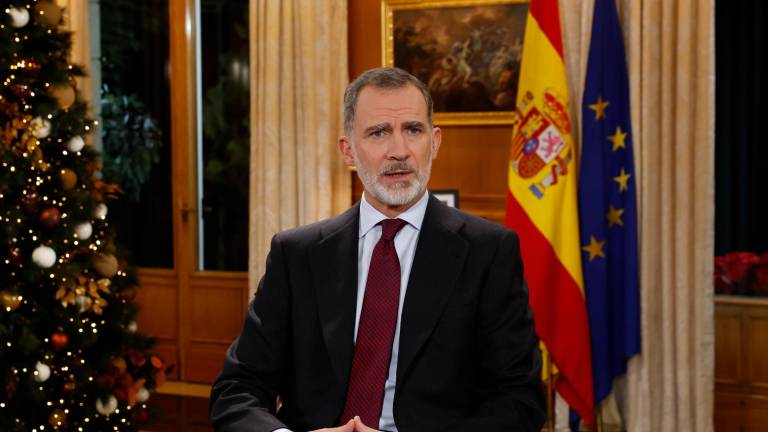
(132, 64)
(223, 150)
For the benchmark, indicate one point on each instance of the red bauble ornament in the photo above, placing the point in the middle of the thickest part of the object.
(10, 387)
(121, 394)
(127, 294)
(50, 217)
(59, 340)
(105, 381)
(21, 91)
(140, 416)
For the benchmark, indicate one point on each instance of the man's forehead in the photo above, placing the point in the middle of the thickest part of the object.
(405, 101)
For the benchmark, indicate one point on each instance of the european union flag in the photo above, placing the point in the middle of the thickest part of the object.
(607, 206)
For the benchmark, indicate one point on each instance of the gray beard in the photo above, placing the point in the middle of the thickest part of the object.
(400, 193)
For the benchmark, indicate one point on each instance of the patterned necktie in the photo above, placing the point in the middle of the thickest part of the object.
(376, 331)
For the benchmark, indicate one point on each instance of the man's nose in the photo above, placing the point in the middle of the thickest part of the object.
(398, 149)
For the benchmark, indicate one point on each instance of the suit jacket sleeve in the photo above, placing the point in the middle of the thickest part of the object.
(243, 398)
(510, 394)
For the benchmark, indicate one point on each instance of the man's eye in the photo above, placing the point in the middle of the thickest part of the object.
(414, 130)
(377, 133)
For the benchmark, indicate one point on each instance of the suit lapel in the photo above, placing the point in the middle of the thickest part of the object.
(438, 262)
(334, 270)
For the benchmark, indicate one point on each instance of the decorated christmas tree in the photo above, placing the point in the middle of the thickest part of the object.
(70, 356)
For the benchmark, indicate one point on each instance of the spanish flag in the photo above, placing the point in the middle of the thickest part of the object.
(542, 207)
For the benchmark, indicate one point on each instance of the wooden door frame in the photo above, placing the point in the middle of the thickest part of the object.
(216, 299)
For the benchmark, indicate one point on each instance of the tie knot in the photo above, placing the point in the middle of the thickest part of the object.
(390, 227)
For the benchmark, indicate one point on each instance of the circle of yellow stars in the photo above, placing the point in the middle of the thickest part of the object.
(595, 248)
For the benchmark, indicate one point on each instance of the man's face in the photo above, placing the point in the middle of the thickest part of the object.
(392, 146)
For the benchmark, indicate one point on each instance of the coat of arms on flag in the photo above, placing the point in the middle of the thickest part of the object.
(538, 143)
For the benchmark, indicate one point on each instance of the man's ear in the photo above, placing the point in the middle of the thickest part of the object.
(437, 139)
(345, 147)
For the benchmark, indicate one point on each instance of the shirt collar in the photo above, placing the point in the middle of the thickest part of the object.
(370, 217)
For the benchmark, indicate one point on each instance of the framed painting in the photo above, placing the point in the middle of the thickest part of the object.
(449, 196)
(467, 52)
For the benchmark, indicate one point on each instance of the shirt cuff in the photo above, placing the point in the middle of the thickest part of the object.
(282, 430)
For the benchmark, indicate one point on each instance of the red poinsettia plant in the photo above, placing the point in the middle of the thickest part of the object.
(741, 273)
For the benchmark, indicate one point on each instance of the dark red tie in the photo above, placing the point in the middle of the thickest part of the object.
(376, 330)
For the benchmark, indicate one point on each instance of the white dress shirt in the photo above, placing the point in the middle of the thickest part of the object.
(405, 245)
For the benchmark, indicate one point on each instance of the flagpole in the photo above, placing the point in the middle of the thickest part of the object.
(600, 425)
(550, 394)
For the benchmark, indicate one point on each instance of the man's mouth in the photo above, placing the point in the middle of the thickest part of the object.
(397, 174)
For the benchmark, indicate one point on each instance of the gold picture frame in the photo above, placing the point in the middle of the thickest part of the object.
(467, 52)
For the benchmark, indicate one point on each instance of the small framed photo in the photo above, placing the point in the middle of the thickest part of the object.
(449, 196)
(467, 52)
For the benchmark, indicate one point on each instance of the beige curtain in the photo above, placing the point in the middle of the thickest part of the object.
(670, 51)
(75, 14)
(298, 74)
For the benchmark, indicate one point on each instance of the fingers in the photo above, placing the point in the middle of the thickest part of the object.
(348, 427)
(361, 427)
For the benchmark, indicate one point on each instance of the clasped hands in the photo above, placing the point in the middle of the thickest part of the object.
(354, 425)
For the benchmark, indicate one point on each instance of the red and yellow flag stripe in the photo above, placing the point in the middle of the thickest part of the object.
(542, 206)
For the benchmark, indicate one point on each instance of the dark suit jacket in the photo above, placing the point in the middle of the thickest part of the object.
(468, 355)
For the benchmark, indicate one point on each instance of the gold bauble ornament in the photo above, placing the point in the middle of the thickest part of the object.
(10, 301)
(64, 95)
(119, 364)
(37, 154)
(105, 265)
(68, 178)
(47, 13)
(57, 418)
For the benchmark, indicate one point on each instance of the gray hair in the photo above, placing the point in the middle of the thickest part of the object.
(386, 78)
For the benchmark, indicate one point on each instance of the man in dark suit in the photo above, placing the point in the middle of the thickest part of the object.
(401, 314)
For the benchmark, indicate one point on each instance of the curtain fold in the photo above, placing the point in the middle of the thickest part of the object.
(298, 74)
(75, 14)
(671, 51)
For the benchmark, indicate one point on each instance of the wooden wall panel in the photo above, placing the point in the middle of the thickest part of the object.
(216, 313)
(159, 310)
(217, 307)
(204, 362)
(728, 347)
(757, 334)
(159, 314)
(473, 159)
(741, 364)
